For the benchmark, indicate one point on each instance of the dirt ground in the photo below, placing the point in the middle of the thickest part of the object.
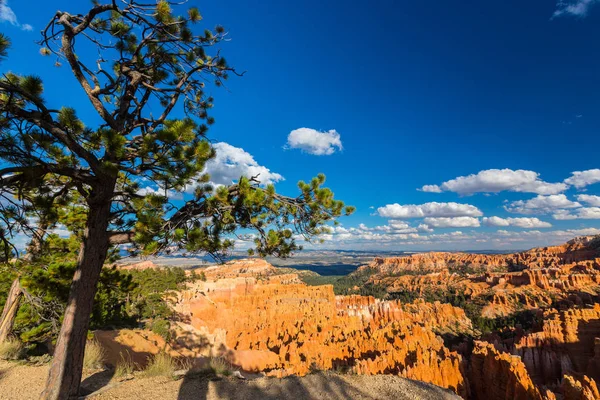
(23, 382)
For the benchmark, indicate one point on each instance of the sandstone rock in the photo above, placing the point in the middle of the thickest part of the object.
(579, 389)
(500, 376)
(294, 328)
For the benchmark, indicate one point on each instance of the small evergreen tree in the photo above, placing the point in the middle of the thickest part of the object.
(127, 56)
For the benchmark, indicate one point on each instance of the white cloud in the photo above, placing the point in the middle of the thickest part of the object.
(580, 213)
(498, 180)
(172, 194)
(528, 223)
(371, 238)
(424, 228)
(563, 215)
(231, 163)
(393, 226)
(581, 179)
(589, 199)
(432, 209)
(576, 8)
(452, 222)
(8, 15)
(314, 142)
(396, 224)
(431, 189)
(542, 204)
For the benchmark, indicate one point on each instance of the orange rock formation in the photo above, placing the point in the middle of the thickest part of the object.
(294, 328)
(266, 320)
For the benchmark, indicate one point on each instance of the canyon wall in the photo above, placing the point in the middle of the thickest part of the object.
(266, 319)
(294, 329)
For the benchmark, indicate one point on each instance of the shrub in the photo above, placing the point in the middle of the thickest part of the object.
(124, 367)
(93, 357)
(10, 349)
(194, 276)
(220, 366)
(162, 328)
(161, 364)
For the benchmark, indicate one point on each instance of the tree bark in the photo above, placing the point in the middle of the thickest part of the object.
(10, 309)
(65, 372)
(35, 246)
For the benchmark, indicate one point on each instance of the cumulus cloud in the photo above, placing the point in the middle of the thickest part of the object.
(563, 215)
(588, 199)
(393, 226)
(452, 222)
(232, 162)
(524, 222)
(581, 179)
(398, 224)
(314, 142)
(432, 209)
(424, 228)
(576, 8)
(498, 180)
(542, 204)
(580, 213)
(370, 238)
(8, 15)
(431, 189)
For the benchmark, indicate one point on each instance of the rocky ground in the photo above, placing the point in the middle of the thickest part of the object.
(23, 382)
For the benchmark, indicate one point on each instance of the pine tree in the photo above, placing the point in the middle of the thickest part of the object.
(126, 57)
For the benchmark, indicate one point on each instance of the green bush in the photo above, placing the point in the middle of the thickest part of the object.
(162, 328)
(11, 349)
(125, 366)
(161, 364)
(123, 298)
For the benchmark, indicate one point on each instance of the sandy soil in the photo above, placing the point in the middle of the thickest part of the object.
(22, 382)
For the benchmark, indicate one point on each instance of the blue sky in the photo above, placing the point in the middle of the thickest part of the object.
(385, 97)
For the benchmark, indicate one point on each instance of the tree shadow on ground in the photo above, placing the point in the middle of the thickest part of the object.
(96, 381)
(324, 386)
(321, 385)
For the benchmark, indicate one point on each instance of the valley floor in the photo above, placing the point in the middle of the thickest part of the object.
(24, 382)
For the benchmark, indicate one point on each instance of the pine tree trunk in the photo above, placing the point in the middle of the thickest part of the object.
(10, 309)
(65, 372)
(35, 246)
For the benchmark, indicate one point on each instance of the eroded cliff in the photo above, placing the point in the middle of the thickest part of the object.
(515, 326)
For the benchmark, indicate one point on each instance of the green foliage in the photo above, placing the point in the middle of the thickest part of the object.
(151, 296)
(38, 321)
(125, 366)
(472, 307)
(4, 45)
(354, 283)
(161, 364)
(11, 349)
(162, 328)
(195, 276)
(123, 298)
